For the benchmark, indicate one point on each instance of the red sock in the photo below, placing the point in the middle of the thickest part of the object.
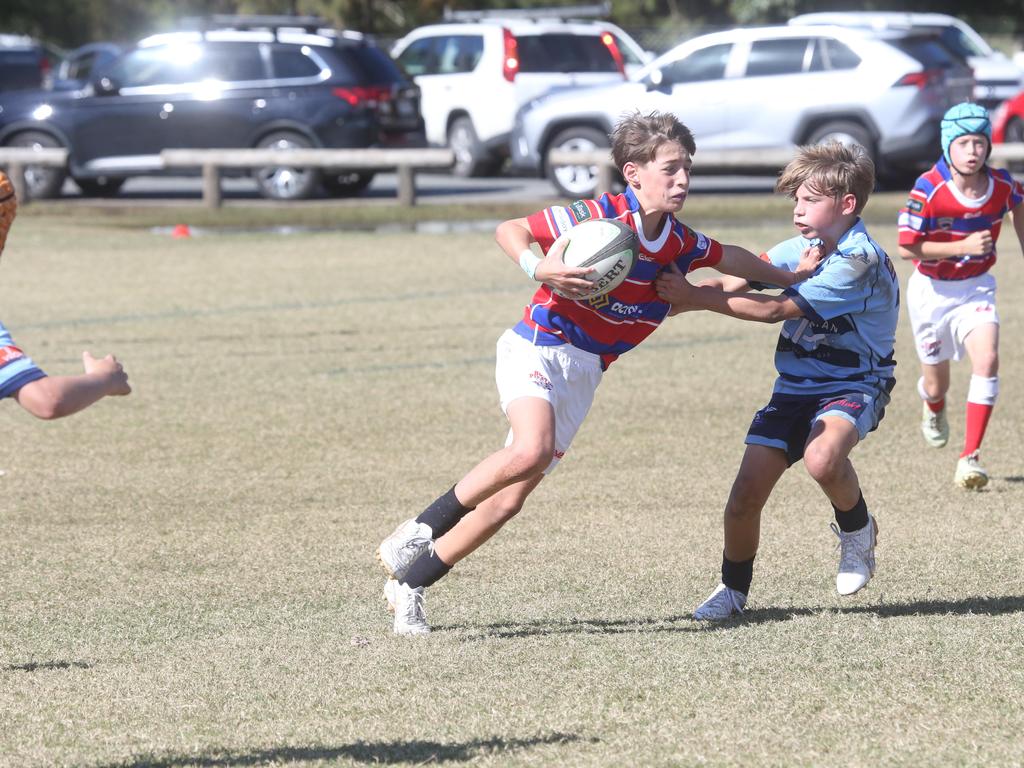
(936, 405)
(977, 421)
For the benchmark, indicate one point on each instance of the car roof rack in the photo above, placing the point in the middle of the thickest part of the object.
(594, 11)
(311, 24)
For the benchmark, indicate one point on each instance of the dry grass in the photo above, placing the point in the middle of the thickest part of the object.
(187, 575)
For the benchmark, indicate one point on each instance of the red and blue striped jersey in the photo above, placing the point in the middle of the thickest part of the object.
(616, 322)
(938, 212)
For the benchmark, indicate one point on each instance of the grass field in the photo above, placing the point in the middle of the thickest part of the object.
(187, 576)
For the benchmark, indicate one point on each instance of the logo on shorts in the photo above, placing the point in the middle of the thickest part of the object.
(931, 348)
(9, 354)
(580, 211)
(541, 380)
(844, 403)
(984, 308)
(559, 454)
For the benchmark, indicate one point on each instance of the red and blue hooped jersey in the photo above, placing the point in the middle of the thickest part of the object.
(616, 322)
(937, 211)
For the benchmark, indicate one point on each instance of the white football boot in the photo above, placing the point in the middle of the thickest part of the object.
(934, 427)
(856, 557)
(721, 604)
(969, 473)
(399, 550)
(407, 603)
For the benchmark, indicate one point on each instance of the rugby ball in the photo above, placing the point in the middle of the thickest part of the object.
(607, 247)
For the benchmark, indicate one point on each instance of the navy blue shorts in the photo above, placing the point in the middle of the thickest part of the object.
(787, 420)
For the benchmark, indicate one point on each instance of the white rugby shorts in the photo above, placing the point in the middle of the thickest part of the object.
(564, 375)
(943, 312)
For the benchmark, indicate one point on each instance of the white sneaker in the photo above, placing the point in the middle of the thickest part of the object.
(969, 473)
(934, 427)
(407, 604)
(399, 550)
(856, 557)
(721, 604)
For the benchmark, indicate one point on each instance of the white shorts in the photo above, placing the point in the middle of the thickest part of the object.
(943, 312)
(565, 376)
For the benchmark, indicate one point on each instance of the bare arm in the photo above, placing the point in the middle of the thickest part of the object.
(740, 262)
(674, 288)
(975, 244)
(53, 397)
(515, 238)
(1018, 223)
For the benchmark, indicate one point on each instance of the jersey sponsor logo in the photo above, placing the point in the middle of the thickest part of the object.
(541, 380)
(581, 211)
(626, 310)
(944, 223)
(9, 354)
(702, 242)
(599, 302)
(910, 221)
(915, 205)
(562, 220)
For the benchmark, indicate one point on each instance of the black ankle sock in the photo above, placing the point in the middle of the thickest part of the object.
(853, 519)
(426, 570)
(737, 575)
(444, 513)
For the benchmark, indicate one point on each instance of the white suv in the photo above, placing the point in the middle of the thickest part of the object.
(474, 75)
(996, 77)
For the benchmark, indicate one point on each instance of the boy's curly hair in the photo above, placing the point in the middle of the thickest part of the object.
(8, 208)
(637, 137)
(831, 169)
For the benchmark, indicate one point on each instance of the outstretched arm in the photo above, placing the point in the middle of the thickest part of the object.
(975, 244)
(674, 288)
(742, 263)
(53, 397)
(1018, 223)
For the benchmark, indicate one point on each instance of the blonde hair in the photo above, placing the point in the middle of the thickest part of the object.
(831, 169)
(637, 137)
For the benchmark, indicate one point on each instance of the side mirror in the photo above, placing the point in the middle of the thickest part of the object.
(106, 86)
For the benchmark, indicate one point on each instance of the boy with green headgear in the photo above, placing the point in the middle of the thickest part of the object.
(949, 227)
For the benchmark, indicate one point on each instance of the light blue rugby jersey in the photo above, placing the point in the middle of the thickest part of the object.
(845, 340)
(16, 368)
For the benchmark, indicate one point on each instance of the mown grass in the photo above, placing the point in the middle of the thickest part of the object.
(187, 575)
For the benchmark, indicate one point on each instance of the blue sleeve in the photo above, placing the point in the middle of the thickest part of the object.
(16, 368)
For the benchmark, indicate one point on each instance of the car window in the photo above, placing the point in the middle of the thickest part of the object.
(959, 42)
(557, 52)
(370, 64)
(629, 55)
(289, 62)
(926, 49)
(459, 53)
(704, 64)
(230, 63)
(420, 57)
(176, 64)
(777, 57)
(829, 53)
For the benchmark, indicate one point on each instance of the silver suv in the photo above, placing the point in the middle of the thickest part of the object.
(764, 90)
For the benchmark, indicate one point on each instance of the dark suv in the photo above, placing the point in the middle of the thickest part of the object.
(263, 82)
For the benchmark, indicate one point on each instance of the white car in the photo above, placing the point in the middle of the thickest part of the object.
(474, 75)
(752, 94)
(996, 76)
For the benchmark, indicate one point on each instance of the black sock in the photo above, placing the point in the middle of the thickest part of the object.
(737, 575)
(444, 513)
(425, 570)
(853, 519)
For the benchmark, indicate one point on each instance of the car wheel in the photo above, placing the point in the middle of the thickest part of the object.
(285, 182)
(471, 157)
(576, 181)
(43, 181)
(347, 184)
(844, 133)
(102, 186)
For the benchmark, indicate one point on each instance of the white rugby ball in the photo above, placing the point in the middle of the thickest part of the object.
(608, 248)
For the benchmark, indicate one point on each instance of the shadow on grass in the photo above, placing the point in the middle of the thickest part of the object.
(379, 752)
(987, 606)
(34, 666)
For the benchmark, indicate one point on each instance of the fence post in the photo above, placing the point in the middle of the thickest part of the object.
(16, 173)
(605, 174)
(211, 185)
(406, 185)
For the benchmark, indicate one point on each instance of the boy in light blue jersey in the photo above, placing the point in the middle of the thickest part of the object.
(50, 397)
(835, 362)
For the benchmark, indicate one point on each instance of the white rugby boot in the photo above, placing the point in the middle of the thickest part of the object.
(721, 604)
(407, 603)
(399, 550)
(969, 473)
(934, 427)
(856, 557)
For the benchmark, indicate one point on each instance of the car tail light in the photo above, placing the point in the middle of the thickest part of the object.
(922, 79)
(510, 64)
(613, 47)
(357, 95)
